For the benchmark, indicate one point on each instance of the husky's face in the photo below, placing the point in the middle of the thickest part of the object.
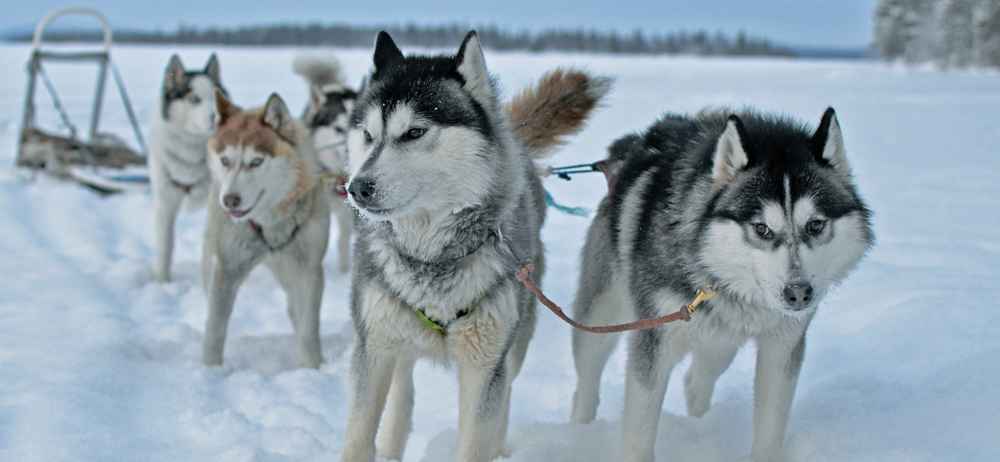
(420, 135)
(328, 120)
(253, 158)
(188, 100)
(787, 223)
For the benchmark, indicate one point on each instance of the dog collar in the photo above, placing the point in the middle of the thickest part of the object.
(435, 325)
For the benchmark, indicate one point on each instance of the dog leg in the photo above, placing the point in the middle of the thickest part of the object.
(307, 311)
(399, 412)
(372, 371)
(344, 226)
(167, 204)
(482, 391)
(591, 353)
(221, 296)
(709, 360)
(779, 360)
(652, 356)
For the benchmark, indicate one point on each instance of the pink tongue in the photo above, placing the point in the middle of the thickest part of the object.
(340, 187)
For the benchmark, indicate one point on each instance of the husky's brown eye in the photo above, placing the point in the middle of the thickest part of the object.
(815, 227)
(413, 134)
(194, 99)
(763, 231)
(225, 162)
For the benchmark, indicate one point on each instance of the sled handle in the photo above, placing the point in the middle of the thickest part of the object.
(36, 39)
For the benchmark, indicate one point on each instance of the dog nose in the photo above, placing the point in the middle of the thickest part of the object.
(231, 201)
(362, 190)
(798, 294)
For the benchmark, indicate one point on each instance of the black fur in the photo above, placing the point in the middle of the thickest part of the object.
(429, 83)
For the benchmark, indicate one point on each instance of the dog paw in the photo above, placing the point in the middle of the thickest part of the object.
(698, 398)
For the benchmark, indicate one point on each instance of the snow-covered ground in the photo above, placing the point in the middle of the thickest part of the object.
(99, 363)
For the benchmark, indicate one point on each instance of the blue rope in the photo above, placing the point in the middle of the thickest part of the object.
(577, 211)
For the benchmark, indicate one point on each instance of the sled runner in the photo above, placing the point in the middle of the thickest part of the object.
(100, 161)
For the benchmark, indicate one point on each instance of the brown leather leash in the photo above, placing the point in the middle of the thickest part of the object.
(684, 313)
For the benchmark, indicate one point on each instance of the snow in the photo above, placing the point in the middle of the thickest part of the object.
(99, 363)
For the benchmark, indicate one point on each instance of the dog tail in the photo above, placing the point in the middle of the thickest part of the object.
(319, 71)
(544, 115)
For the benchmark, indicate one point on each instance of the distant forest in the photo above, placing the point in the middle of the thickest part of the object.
(446, 36)
(949, 33)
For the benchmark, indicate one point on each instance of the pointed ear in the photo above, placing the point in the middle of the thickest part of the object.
(730, 154)
(224, 108)
(316, 96)
(386, 52)
(277, 117)
(471, 65)
(212, 68)
(175, 77)
(828, 143)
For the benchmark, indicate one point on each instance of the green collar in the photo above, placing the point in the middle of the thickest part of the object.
(435, 325)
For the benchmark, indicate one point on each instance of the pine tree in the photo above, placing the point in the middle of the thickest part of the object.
(957, 34)
(987, 33)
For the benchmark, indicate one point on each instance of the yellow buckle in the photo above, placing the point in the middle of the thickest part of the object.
(702, 296)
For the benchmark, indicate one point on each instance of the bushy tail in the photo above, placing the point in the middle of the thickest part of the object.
(542, 116)
(319, 71)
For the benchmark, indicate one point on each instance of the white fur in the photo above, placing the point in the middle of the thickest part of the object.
(177, 157)
(729, 156)
(834, 151)
(292, 240)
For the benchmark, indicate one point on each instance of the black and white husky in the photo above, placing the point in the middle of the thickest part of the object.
(177, 167)
(446, 186)
(326, 116)
(752, 206)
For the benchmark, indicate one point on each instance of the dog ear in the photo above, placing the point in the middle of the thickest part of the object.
(175, 77)
(828, 143)
(387, 53)
(277, 117)
(471, 65)
(224, 109)
(212, 69)
(730, 154)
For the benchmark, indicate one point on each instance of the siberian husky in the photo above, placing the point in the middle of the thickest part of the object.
(326, 117)
(177, 168)
(754, 207)
(444, 180)
(266, 208)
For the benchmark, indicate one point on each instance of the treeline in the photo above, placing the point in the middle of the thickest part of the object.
(446, 36)
(950, 33)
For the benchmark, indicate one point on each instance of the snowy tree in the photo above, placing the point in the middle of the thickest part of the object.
(957, 33)
(987, 33)
(891, 35)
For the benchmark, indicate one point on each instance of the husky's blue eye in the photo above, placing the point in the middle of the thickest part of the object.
(224, 161)
(256, 162)
(763, 231)
(815, 227)
(194, 99)
(413, 134)
(368, 137)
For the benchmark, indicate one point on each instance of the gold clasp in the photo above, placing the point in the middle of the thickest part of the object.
(702, 296)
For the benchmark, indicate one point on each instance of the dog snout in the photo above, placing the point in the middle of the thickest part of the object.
(231, 201)
(798, 294)
(362, 190)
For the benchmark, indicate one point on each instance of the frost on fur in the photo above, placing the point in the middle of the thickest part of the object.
(557, 107)
(318, 71)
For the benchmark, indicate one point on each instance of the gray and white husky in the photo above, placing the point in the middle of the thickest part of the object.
(326, 116)
(447, 190)
(177, 168)
(265, 208)
(752, 206)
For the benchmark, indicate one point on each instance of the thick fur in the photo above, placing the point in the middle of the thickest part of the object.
(327, 118)
(754, 206)
(177, 168)
(265, 208)
(449, 204)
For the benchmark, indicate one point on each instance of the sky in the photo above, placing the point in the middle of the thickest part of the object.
(819, 23)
